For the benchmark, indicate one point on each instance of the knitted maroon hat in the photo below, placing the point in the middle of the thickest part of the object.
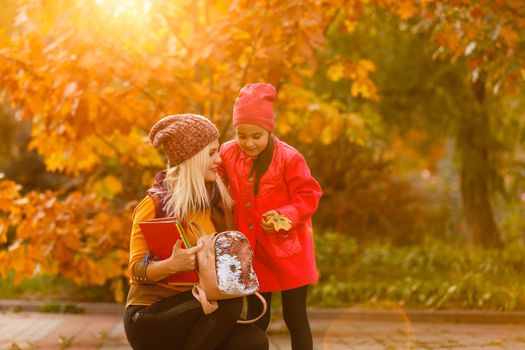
(254, 106)
(183, 136)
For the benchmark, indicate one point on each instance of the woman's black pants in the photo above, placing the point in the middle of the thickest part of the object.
(158, 327)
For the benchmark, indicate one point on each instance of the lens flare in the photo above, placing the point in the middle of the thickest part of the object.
(119, 8)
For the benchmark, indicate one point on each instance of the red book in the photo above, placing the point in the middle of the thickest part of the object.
(161, 234)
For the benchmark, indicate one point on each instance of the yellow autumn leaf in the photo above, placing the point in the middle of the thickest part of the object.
(3, 232)
(358, 89)
(350, 25)
(406, 9)
(55, 162)
(364, 88)
(241, 35)
(147, 178)
(108, 187)
(85, 157)
(355, 120)
(9, 191)
(280, 222)
(335, 72)
(113, 183)
(327, 136)
(118, 290)
(283, 128)
(367, 65)
(102, 146)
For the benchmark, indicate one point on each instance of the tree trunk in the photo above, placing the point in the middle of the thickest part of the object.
(476, 204)
(475, 144)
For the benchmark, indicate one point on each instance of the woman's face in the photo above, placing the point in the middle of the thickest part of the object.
(213, 162)
(252, 139)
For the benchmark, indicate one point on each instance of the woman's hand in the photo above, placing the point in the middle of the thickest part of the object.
(183, 259)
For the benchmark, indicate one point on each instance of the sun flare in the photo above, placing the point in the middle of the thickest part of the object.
(131, 8)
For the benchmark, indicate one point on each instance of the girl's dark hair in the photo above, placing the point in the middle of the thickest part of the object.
(261, 163)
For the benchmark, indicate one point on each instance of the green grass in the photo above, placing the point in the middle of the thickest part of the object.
(433, 275)
(47, 287)
(61, 307)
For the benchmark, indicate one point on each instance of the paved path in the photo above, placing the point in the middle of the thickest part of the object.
(332, 331)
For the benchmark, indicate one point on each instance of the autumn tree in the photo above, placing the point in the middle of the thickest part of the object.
(486, 38)
(92, 76)
(479, 60)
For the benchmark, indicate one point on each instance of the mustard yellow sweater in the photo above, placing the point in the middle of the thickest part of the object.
(148, 292)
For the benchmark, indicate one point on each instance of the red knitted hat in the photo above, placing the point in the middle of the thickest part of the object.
(183, 136)
(254, 106)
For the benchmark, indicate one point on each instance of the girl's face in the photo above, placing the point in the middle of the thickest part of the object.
(213, 162)
(252, 139)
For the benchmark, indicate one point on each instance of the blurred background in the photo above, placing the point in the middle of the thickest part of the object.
(409, 113)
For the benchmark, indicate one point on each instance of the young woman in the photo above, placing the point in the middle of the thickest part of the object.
(271, 184)
(166, 316)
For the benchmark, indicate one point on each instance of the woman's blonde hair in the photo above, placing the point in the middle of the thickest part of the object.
(186, 186)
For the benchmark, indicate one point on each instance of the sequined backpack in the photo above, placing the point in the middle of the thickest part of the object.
(225, 269)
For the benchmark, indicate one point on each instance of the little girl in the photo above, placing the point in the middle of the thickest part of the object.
(275, 197)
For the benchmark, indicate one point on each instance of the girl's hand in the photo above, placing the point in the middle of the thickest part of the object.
(184, 259)
(266, 223)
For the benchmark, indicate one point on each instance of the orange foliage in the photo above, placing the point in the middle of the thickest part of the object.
(86, 74)
(75, 237)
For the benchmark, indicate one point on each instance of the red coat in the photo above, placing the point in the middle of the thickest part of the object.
(283, 260)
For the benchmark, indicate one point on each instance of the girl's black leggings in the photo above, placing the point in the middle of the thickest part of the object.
(294, 314)
(191, 329)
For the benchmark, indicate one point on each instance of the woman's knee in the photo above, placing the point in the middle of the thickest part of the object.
(259, 339)
(246, 337)
(230, 307)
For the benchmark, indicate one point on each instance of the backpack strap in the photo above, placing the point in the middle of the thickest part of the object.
(209, 307)
(263, 301)
(200, 295)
